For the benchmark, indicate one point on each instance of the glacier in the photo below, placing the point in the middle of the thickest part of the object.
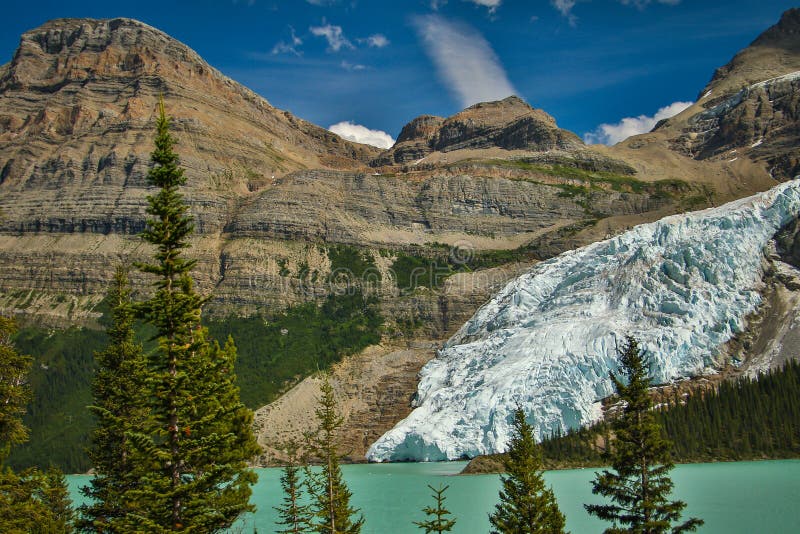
(682, 286)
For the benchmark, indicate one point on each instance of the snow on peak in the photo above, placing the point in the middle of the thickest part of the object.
(681, 286)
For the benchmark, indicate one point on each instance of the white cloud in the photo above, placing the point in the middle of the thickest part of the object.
(565, 8)
(464, 60)
(282, 47)
(491, 5)
(334, 35)
(611, 134)
(346, 65)
(362, 134)
(377, 41)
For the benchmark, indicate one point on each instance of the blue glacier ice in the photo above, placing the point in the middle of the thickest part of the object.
(546, 342)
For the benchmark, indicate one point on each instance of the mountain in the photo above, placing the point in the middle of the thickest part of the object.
(750, 110)
(286, 210)
(509, 124)
(682, 286)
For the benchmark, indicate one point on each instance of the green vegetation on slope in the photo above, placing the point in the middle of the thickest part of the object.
(268, 363)
(278, 351)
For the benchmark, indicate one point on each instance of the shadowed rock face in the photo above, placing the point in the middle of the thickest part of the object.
(509, 123)
(751, 106)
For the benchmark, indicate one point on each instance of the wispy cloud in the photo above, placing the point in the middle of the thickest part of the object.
(352, 67)
(565, 6)
(491, 5)
(611, 134)
(333, 34)
(362, 134)
(283, 47)
(464, 60)
(377, 40)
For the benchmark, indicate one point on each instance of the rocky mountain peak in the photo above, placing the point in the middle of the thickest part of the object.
(65, 50)
(511, 124)
(773, 53)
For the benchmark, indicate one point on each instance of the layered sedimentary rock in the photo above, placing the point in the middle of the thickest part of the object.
(510, 124)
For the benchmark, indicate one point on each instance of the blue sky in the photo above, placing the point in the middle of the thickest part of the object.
(381, 63)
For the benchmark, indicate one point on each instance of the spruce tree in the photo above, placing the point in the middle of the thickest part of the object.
(32, 501)
(439, 522)
(15, 391)
(198, 438)
(526, 505)
(639, 484)
(293, 515)
(121, 409)
(328, 489)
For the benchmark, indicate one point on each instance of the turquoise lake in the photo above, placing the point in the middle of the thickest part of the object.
(746, 497)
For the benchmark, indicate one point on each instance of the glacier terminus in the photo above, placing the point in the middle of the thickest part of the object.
(682, 286)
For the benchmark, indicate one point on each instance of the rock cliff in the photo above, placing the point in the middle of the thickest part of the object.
(510, 124)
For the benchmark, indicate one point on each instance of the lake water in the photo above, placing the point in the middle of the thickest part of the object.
(746, 497)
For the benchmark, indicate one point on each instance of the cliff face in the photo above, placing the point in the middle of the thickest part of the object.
(510, 124)
(750, 108)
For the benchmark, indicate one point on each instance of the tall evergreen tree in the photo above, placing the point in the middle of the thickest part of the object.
(294, 516)
(639, 484)
(438, 522)
(121, 409)
(328, 489)
(199, 435)
(15, 391)
(32, 501)
(526, 505)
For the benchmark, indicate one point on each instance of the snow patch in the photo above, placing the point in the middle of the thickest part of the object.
(682, 286)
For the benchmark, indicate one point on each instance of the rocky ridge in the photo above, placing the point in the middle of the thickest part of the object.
(510, 124)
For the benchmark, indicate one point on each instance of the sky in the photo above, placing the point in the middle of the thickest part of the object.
(605, 69)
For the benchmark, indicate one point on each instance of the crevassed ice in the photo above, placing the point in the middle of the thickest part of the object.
(682, 286)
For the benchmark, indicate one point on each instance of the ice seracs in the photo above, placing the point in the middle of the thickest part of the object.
(682, 286)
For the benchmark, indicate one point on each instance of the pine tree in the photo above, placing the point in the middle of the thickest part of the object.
(328, 489)
(639, 484)
(294, 516)
(118, 387)
(32, 501)
(14, 390)
(439, 522)
(198, 438)
(526, 505)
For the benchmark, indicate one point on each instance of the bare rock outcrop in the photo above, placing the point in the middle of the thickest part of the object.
(510, 124)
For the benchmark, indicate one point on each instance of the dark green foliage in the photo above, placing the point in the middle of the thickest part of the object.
(192, 451)
(439, 521)
(277, 352)
(33, 501)
(327, 487)
(268, 363)
(639, 484)
(120, 408)
(293, 516)
(744, 419)
(741, 420)
(57, 416)
(353, 265)
(411, 271)
(526, 505)
(15, 390)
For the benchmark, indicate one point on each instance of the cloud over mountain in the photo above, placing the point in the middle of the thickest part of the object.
(611, 134)
(362, 134)
(464, 60)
